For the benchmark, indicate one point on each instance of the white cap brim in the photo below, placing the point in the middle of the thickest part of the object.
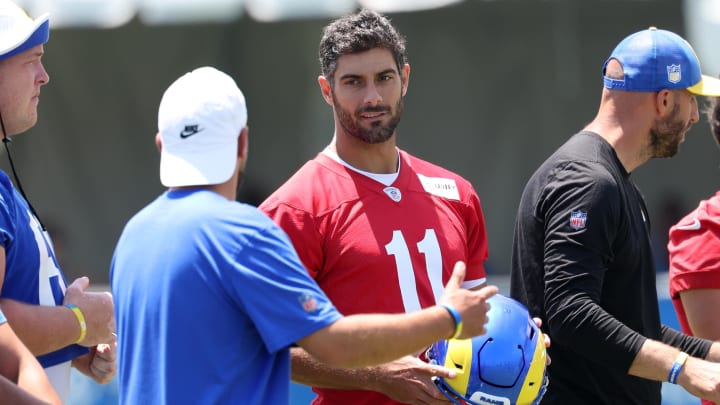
(17, 28)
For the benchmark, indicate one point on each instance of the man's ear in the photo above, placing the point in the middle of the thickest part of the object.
(664, 102)
(243, 143)
(325, 89)
(158, 142)
(405, 74)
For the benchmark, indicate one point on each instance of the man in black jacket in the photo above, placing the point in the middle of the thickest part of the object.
(582, 257)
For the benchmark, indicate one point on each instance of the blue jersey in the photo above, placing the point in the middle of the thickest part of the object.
(32, 274)
(209, 295)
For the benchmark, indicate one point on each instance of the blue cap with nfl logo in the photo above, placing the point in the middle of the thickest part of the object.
(654, 60)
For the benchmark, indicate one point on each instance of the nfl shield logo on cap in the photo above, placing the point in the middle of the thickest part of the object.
(674, 74)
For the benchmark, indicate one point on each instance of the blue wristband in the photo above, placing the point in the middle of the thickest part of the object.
(456, 317)
(676, 367)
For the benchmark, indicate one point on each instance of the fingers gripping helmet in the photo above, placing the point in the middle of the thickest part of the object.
(504, 366)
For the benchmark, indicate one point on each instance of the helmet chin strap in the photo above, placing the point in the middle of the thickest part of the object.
(6, 140)
(451, 394)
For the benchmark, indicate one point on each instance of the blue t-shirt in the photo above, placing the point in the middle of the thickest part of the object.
(209, 295)
(32, 274)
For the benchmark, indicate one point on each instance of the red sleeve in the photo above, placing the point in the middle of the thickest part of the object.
(300, 227)
(477, 240)
(694, 249)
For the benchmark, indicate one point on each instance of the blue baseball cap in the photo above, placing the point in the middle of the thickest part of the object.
(654, 59)
(19, 32)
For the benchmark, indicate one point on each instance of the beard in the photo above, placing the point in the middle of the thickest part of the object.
(377, 132)
(666, 134)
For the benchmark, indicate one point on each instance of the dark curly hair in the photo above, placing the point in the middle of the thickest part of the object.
(713, 116)
(355, 33)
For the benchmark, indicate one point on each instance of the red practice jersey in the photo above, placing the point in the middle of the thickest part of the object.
(381, 249)
(694, 249)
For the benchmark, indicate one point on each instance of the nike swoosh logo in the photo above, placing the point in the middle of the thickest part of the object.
(695, 225)
(189, 131)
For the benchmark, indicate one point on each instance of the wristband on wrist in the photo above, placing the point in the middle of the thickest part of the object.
(456, 317)
(81, 320)
(677, 366)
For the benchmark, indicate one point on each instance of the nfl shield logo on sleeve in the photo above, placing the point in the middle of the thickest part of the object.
(308, 302)
(578, 219)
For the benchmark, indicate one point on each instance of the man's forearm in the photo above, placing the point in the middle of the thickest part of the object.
(307, 370)
(653, 361)
(42, 329)
(12, 394)
(714, 352)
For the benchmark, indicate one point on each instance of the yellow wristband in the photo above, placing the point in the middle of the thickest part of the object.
(81, 320)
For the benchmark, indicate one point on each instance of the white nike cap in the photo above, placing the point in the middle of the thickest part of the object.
(200, 119)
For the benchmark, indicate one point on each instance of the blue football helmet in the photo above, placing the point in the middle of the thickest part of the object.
(505, 366)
